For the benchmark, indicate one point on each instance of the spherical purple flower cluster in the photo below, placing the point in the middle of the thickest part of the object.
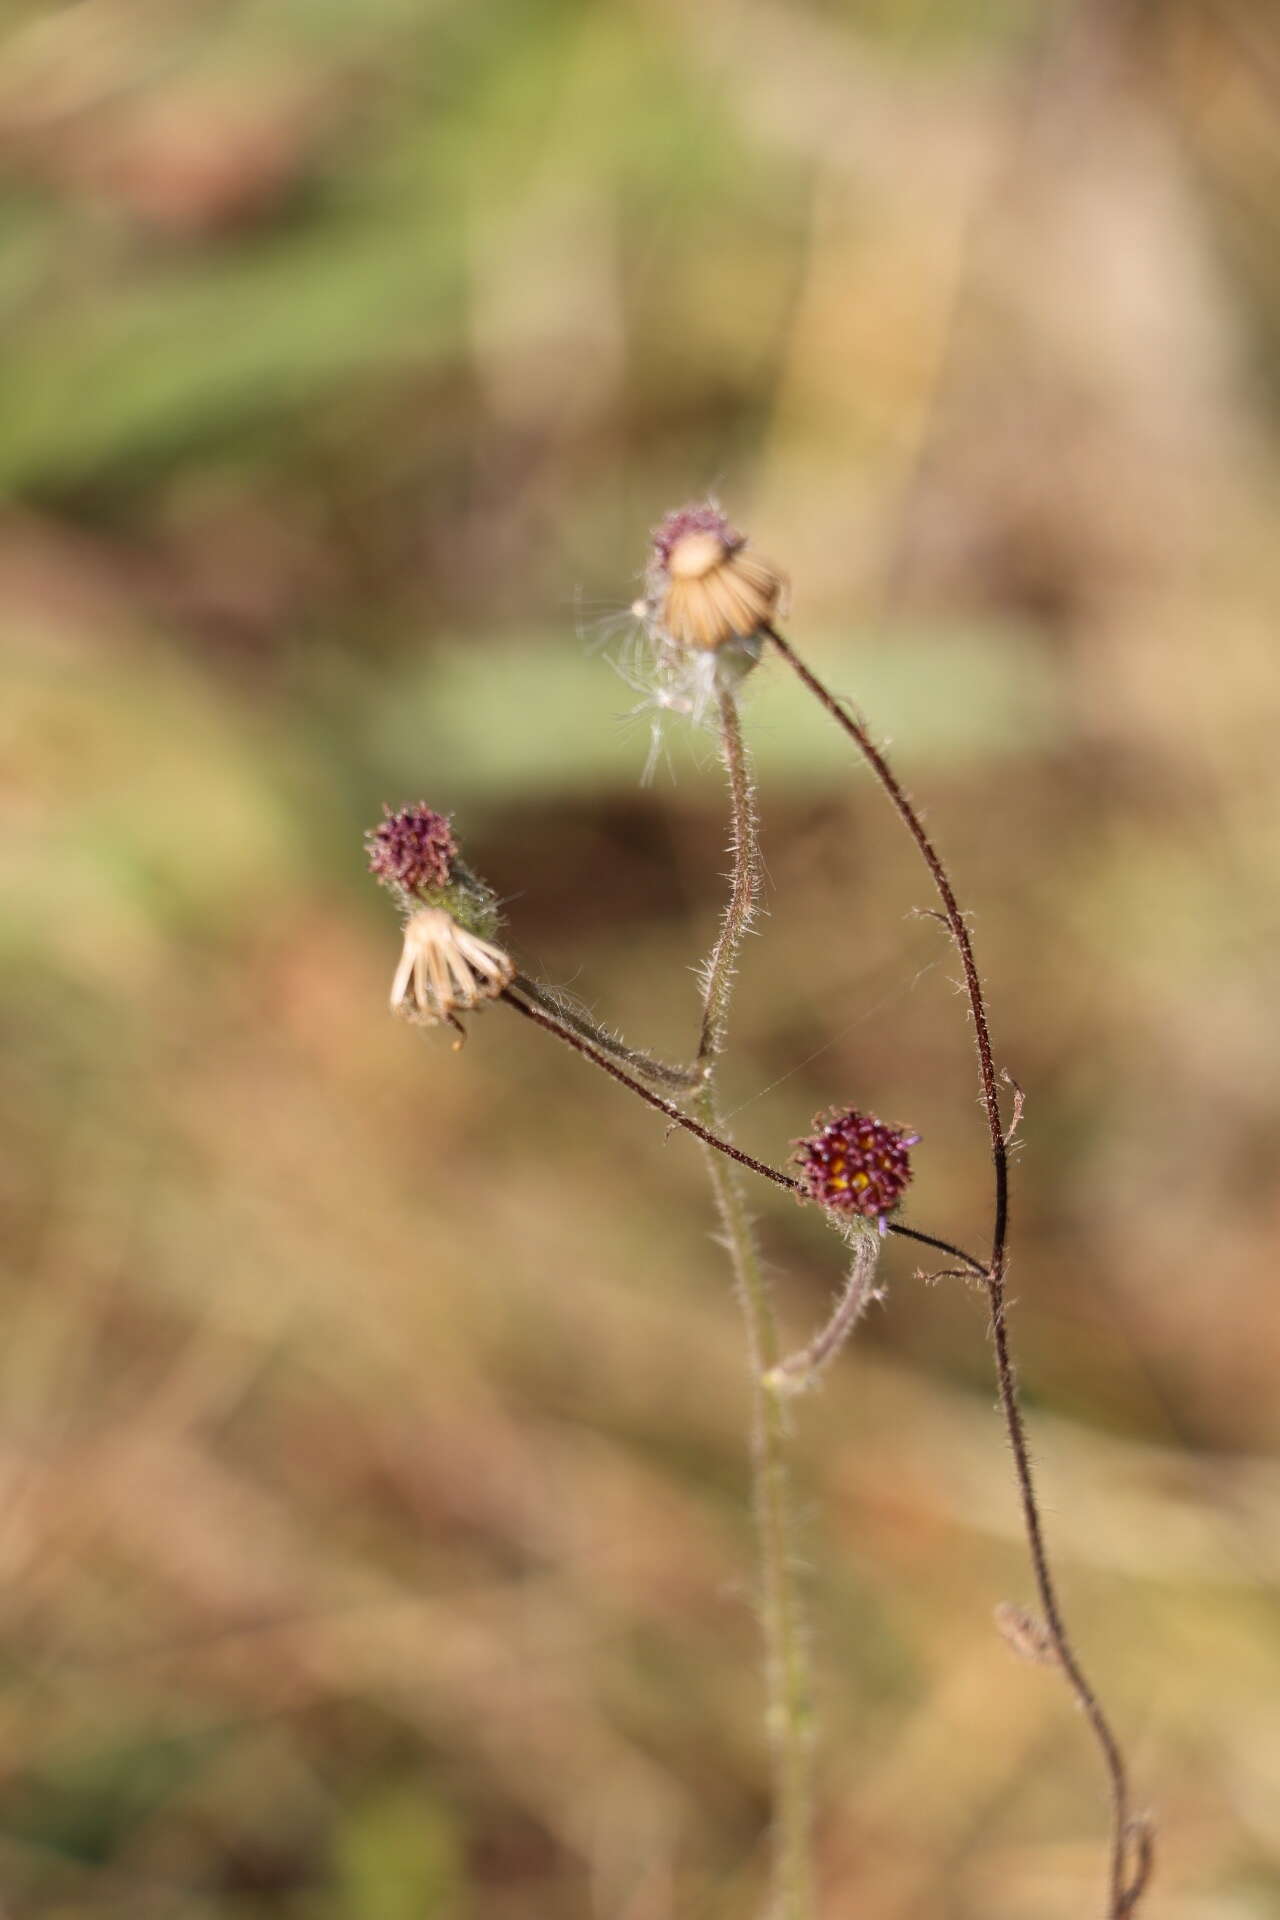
(857, 1164)
(413, 849)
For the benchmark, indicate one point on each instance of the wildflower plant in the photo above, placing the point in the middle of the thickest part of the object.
(449, 964)
(707, 617)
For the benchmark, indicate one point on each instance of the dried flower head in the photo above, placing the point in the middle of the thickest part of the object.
(702, 616)
(857, 1164)
(703, 588)
(412, 851)
(445, 970)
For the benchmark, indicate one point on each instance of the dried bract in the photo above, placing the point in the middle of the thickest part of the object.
(445, 971)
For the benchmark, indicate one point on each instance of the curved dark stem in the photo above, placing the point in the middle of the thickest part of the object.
(705, 1134)
(656, 1100)
(1126, 1886)
(884, 773)
(975, 1267)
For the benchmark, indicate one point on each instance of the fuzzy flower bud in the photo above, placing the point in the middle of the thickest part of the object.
(856, 1165)
(703, 588)
(412, 851)
(450, 963)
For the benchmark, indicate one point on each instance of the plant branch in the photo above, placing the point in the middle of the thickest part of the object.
(707, 1135)
(884, 773)
(1126, 1882)
(800, 1370)
(788, 1683)
(744, 885)
(645, 1064)
(975, 1267)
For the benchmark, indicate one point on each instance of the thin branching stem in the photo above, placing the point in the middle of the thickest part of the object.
(708, 1136)
(974, 1267)
(789, 1702)
(1128, 1839)
(744, 884)
(681, 1079)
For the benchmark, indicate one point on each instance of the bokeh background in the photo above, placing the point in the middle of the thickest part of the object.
(374, 1530)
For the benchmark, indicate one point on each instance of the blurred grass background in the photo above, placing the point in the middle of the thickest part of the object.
(374, 1535)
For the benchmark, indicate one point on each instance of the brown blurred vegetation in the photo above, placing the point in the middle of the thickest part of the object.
(373, 1511)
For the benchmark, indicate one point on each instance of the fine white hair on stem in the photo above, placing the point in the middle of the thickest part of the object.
(688, 682)
(717, 972)
(789, 1682)
(571, 1013)
(802, 1369)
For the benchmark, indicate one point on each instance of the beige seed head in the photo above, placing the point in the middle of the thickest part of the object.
(710, 589)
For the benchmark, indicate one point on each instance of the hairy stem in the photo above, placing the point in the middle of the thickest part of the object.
(674, 1114)
(1127, 1839)
(681, 1079)
(800, 1370)
(708, 1135)
(789, 1708)
(744, 884)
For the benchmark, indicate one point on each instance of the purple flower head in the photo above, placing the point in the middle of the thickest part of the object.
(703, 518)
(857, 1164)
(413, 850)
